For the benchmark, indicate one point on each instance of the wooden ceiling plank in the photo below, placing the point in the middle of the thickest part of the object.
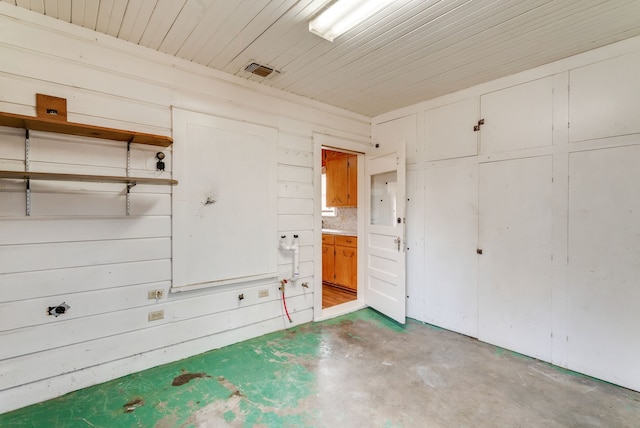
(90, 14)
(195, 15)
(205, 49)
(104, 15)
(411, 74)
(77, 12)
(129, 19)
(250, 32)
(116, 17)
(441, 29)
(286, 30)
(64, 10)
(354, 49)
(502, 38)
(474, 72)
(142, 20)
(36, 6)
(301, 43)
(162, 18)
(561, 40)
(458, 47)
(51, 8)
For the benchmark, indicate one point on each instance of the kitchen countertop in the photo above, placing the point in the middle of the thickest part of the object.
(339, 232)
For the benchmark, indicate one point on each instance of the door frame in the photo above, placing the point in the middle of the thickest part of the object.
(361, 148)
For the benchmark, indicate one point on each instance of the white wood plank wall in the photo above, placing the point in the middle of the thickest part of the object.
(79, 247)
(564, 288)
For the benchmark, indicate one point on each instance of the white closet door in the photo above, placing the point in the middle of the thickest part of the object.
(603, 99)
(517, 118)
(515, 265)
(449, 130)
(604, 264)
(451, 262)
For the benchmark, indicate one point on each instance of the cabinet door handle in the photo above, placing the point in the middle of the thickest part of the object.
(398, 241)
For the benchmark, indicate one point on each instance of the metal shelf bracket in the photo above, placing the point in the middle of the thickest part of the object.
(130, 185)
(27, 167)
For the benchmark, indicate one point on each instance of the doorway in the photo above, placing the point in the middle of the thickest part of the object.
(339, 227)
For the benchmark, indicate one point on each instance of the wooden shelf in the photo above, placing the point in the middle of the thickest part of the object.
(54, 176)
(69, 128)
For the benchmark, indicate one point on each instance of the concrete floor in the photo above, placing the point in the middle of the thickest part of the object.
(360, 370)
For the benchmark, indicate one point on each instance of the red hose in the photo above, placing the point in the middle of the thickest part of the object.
(284, 301)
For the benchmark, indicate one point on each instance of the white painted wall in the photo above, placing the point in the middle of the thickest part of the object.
(548, 190)
(79, 247)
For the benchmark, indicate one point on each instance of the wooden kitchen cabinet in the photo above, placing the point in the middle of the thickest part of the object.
(342, 181)
(340, 261)
(328, 258)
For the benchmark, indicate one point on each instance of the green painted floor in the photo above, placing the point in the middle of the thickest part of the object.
(359, 370)
(257, 382)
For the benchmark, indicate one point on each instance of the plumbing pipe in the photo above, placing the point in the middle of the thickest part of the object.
(296, 259)
(284, 300)
(295, 248)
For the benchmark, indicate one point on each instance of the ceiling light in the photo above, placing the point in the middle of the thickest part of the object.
(343, 15)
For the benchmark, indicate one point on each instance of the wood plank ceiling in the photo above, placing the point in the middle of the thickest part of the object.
(409, 52)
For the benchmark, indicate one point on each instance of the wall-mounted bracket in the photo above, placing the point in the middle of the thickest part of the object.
(27, 168)
(129, 185)
(476, 127)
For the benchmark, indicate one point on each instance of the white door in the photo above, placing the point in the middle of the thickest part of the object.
(384, 280)
(514, 300)
(451, 263)
(603, 269)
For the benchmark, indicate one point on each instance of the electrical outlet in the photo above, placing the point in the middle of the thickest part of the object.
(156, 294)
(263, 293)
(156, 315)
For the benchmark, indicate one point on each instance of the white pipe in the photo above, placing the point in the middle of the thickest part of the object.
(295, 248)
(296, 259)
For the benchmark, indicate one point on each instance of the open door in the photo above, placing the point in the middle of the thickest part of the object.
(384, 281)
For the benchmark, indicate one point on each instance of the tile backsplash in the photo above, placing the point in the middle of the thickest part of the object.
(346, 219)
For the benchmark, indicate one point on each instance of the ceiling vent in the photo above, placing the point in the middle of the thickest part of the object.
(259, 70)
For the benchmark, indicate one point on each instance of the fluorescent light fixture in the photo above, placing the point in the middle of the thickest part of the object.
(343, 15)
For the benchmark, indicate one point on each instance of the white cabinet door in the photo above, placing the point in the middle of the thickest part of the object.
(515, 267)
(449, 130)
(225, 210)
(451, 238)
(604, 99)
(517, 118)
(604, 264)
